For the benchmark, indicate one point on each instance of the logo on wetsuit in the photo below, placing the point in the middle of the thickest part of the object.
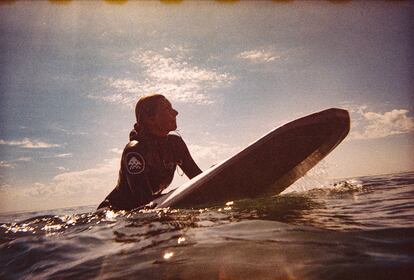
(135, 163)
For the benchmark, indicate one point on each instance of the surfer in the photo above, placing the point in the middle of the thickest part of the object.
(150, 158)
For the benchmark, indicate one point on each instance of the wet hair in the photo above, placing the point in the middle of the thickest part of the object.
(146, 108)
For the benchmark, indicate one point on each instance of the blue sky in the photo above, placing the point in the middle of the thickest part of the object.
(71, 74)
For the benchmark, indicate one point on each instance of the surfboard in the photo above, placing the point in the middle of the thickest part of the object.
(267, 166)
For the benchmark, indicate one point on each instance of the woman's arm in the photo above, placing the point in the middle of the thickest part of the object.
(187, 163)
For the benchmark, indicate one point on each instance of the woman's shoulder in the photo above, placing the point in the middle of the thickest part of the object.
(134, 145)
(134, 157)
(175, 139)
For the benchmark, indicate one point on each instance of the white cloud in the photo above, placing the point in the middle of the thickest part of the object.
(259, 56)
(6, 164)
(26, 159)
(61, 168)
(29, 144)
(60, 128)
(212, 152)
(12, 164)
(116, 151)
(65, 155)
(83, 187)
(88, 181)
(5, 187)
(90, 186)
(169, 72)
(372, 125)
(161, 67)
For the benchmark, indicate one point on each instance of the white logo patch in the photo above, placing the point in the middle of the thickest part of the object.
(135, 163)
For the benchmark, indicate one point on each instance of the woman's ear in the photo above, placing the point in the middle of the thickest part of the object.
(150, 121)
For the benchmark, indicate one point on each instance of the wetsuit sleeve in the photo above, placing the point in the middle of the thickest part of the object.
(136, 173)
(187, 163)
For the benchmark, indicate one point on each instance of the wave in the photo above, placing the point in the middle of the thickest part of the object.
(159, 247)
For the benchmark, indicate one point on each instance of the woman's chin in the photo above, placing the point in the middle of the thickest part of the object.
(173, 126)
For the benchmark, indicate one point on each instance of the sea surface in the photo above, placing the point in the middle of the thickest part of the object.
(360, 228)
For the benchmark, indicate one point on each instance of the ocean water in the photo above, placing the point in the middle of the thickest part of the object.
(361, 228)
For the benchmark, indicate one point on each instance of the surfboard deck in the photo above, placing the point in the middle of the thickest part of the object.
(266, 167)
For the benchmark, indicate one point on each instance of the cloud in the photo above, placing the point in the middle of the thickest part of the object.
(5, 187)
(6, 164)
(212, 152)
(116, 151)
(372, 125)
(60, 128)
(90, 186)
(29, 144)
(61, 168)
(84, 187)
(259, 56)
(12, 164)
(66, 155)
(169, 72)
(26, 159)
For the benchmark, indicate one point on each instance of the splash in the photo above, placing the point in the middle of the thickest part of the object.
(317, 177)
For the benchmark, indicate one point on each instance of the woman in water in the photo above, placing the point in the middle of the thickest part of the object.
(150, 158)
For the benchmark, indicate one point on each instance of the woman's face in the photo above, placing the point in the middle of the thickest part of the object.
(164, 120)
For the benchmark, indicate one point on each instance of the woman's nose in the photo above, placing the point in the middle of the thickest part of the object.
(175, 112)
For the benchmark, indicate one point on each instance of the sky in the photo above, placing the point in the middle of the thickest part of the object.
(72, 71)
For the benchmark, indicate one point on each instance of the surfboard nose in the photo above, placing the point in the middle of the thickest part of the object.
(340, 118)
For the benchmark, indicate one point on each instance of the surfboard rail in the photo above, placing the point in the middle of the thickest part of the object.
(267, 166)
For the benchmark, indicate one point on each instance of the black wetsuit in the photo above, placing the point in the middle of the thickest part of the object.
(147, 167)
